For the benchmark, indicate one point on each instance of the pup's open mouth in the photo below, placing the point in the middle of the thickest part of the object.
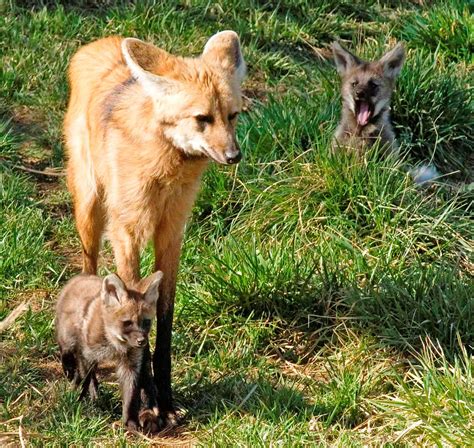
(363, 112)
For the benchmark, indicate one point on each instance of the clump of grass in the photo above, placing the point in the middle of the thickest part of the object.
(344, 236)
(8, 141)
(434, 402)
(447, 26)
(433, 111)
(25, 259)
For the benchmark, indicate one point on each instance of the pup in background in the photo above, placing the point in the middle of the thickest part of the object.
(366, 91)
(100, 319)
(140, 129)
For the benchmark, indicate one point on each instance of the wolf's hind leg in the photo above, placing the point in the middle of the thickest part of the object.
(90, 224)
(83, 186)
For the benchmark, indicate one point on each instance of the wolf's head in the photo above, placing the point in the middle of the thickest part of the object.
(367, 86)
(128, 314)
(195, 100)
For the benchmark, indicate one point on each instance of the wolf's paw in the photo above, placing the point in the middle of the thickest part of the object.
(168, 420)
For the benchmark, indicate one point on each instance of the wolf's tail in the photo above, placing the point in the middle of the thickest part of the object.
(424, 174)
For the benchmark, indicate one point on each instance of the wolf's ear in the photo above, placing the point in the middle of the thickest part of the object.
(343, 58)
(144, 61)
(113, 290)
(224, 50)
(151, 286)
(392, 62)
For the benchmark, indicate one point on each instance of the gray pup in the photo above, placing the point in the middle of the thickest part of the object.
(366, 91)
(101, 320)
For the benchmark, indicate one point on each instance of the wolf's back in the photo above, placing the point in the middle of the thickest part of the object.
(93, 65)
(94, 72)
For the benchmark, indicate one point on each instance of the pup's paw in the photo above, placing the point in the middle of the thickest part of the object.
(131, 425)
(149, 421)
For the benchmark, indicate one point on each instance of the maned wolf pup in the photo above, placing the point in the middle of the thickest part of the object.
(100, 319)
(366, 91)
(140, 129)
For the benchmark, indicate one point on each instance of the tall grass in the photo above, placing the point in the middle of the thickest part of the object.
(310, 284)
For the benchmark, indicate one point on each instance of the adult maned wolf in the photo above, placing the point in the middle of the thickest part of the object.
(366, 91)
(140, 128)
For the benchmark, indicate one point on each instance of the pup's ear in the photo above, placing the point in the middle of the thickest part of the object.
(150, 285)
(223, 49)
(343, 58)
(392, 61)
(144, 61)
(113, 290)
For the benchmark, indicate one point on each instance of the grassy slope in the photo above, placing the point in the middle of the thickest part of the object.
(321, 300)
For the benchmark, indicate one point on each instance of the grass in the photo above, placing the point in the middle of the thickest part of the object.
(322, 300)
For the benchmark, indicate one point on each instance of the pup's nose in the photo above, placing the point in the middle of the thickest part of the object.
(141, 341)
(360, 94)
(233, 157)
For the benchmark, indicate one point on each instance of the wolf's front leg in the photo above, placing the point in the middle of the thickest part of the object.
(167, 252)
(127, 253)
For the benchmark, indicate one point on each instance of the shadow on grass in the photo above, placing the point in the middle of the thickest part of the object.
(239, 395)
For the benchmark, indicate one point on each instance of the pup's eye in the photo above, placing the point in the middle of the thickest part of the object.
(232, 116)
(373, 85)
(146, 324)
(127, 323)
(204, 119)
(354, 83)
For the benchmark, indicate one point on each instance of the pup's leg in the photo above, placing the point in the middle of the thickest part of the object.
(149, 414)
(129, 379)
(69, 363)
(87, 373)
(147, 385)
(94, 385)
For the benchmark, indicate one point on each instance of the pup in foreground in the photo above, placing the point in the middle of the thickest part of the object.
(366, 92)
(99, 320)
(140, 129)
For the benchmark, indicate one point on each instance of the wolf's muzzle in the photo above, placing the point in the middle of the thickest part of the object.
(232, 157)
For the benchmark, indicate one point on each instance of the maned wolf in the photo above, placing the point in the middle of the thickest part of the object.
(140, 129)
(99, 320)
(366, 91)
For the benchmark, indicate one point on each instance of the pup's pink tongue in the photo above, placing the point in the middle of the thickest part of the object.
(364, 114)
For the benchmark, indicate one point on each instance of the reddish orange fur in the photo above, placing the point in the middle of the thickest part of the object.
(124, 172)
(137, 148)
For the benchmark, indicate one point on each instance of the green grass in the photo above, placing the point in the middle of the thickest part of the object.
(322, 300)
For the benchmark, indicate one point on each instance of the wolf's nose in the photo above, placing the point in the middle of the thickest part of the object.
(233, 157)
(141, 341)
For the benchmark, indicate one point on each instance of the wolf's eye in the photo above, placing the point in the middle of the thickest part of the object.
(204, 119)
(354, 83)
(146, 324)
(232, 116)
(127, 323)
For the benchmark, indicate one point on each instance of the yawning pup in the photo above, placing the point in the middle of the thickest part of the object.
(366, 91)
